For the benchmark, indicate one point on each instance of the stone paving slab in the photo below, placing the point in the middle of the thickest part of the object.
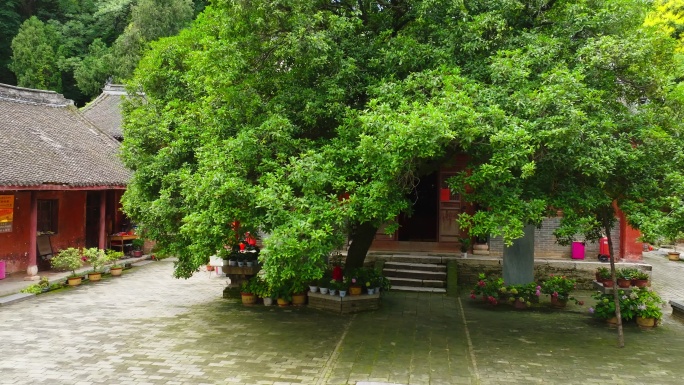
(149, 328)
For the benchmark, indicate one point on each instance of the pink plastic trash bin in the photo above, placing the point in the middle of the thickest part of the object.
(578, 250)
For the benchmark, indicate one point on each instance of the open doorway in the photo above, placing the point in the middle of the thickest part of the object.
(92, 225)
(422, 224)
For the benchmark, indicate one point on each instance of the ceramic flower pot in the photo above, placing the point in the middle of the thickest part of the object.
(518, 304)
(624, 283)
(640, 282)
(74, 281)
(646, 322)
(116, 271)
(673, 256)
(558, 303)
(282, 302)
(355, 290)
(94, 276)
(324, 290)
(248, 299)
(299, 299)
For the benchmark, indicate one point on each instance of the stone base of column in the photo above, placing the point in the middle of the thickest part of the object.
(32, 273)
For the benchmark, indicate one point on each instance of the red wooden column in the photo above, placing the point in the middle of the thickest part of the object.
(32, 270)
(102, 242)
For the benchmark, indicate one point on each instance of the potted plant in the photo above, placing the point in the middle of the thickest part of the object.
(488, 288)
(113, 256)
(640, 278)
(247, 291)
(69, 259)
(298, 292)
(263, 290)
(522, 296)
(601, 273)
(624, 277)
(358, 279)
(97, 258)
(647, 307)
(464, 246)
(283, 295)
(559, 288)
(138, 244)
(604, 308)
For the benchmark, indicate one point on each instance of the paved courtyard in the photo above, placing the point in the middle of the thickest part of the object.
(149, 328)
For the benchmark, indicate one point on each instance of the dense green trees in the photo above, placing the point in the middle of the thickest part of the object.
(82, 43)
(312, 120)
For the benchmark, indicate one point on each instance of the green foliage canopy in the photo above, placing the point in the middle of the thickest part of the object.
(307, 119)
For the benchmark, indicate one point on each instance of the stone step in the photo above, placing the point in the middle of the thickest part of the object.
(419, 289)
(415, 274)
(416, 282)
(415, 258)
(414, 266)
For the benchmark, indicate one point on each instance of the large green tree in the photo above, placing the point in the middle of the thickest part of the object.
(35, 59)
(93, 40)
(587, 118)
(313, 120)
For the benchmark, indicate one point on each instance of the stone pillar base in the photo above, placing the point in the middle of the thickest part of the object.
(32, 273)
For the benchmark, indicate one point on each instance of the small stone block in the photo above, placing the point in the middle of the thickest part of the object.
(344, 305)
(677, 309)
(9, 299)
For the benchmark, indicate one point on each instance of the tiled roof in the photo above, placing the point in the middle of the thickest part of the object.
(105, 110)
(45, 141)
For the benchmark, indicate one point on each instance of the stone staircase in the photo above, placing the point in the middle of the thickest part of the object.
(416, 276)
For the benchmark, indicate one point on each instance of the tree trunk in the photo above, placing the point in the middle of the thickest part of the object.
(616, 296)
(361, 240)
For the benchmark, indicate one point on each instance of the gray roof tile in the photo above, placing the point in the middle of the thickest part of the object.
(105, 110)
(45, 140)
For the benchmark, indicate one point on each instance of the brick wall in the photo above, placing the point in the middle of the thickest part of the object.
(545, 245)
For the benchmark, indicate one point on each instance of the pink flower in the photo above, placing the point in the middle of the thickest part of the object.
(555, 294)
(481, 284)
(537, 293)
(472, 296)
(353, 280)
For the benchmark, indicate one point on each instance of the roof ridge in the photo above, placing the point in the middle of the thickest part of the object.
(33, 96)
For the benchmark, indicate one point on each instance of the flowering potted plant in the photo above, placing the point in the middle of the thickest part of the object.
(604, 308)
(647, 306)
(487, 287)
(559, 288)
(69, 259)
(522, 296)
(358, 279)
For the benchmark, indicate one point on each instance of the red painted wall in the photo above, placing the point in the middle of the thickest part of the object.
(14, 246)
